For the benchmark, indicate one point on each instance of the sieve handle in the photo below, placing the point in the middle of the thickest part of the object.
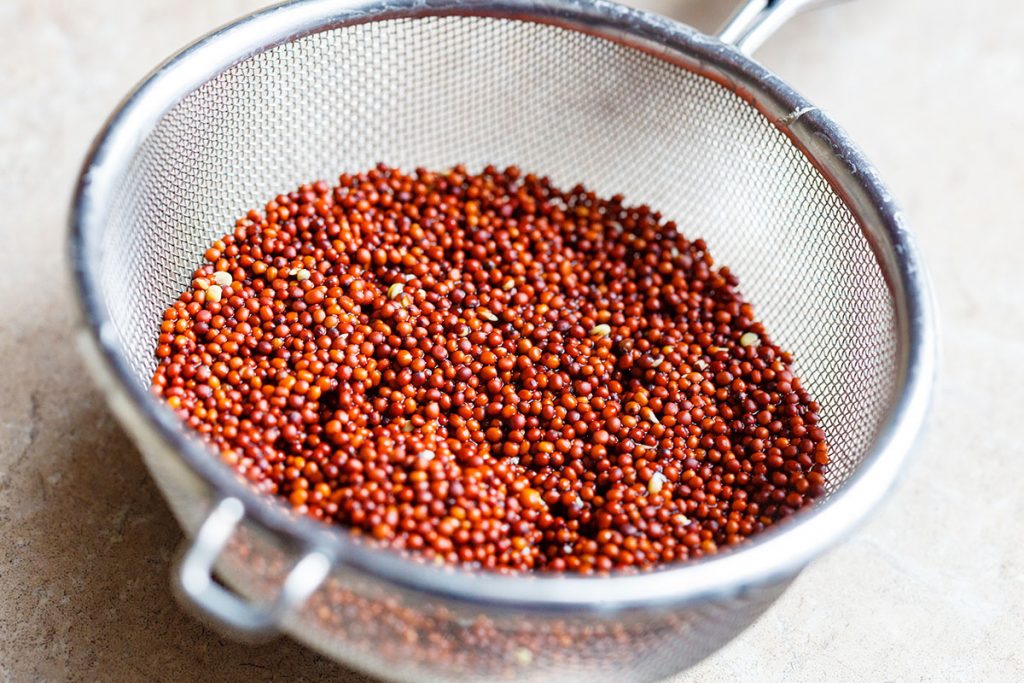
(196, 588)
(756, 20)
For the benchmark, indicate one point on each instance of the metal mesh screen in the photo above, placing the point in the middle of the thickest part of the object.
(436, 91)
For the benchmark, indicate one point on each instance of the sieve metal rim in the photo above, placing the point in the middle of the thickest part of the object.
(773, 556)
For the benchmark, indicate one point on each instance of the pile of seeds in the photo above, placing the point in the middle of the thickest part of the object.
(487, 370)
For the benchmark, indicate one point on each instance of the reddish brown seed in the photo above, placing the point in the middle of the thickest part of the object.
(489, 370)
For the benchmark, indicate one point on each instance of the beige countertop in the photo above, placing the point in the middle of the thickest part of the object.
(932, 588)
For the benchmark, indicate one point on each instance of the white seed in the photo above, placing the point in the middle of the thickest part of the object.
(701, 364)
(222, 278)
(395, 289)
(487, 315)
(749, 339)
(509, 284)
(601, 330)
(656, 483)
(658, 361)
(213, 293)
(426, 455)
(524, 656)
(302, 274)
(408, 427)
(202, 283)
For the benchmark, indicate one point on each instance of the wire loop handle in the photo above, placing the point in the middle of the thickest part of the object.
(196, 587)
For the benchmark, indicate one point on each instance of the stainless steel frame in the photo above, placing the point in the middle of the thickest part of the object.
(769, 561)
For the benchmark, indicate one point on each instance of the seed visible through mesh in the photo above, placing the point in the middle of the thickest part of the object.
(491, 371)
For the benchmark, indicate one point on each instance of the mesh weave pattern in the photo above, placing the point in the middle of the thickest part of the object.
(436, 91)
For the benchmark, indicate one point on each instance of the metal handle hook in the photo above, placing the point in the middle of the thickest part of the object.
(196, 588)
(756, 20)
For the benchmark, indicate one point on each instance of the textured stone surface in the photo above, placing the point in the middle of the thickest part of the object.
(931, 589)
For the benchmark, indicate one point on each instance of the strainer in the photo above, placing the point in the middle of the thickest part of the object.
(591, 92)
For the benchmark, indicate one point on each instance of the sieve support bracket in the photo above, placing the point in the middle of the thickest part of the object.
(199, 591)
(754, 21)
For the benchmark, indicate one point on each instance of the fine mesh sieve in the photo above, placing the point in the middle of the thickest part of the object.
(621, 101)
